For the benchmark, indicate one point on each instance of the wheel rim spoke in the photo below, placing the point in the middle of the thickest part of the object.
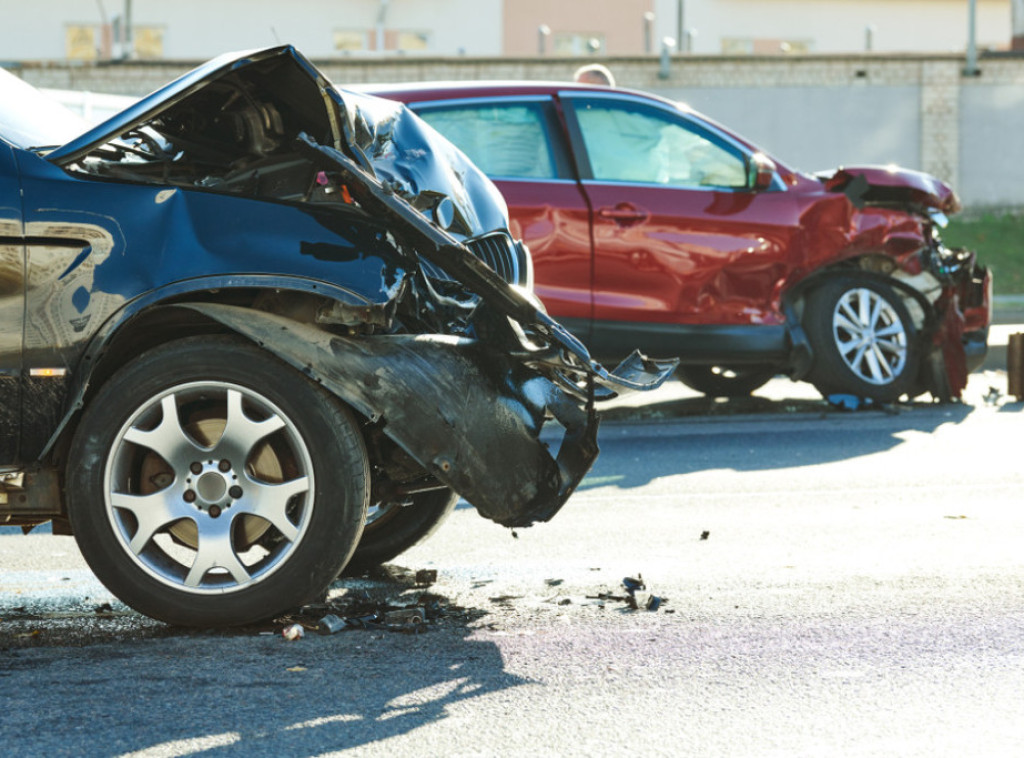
(270, 502)
(874, 368)
(167, 439)
(216, 551)
(152, 513)
(869, 336)
(241, 433)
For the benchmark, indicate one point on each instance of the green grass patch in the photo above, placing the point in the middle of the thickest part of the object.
(998, 238)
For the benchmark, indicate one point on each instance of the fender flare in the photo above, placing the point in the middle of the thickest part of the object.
(160, 298)
(803, 353)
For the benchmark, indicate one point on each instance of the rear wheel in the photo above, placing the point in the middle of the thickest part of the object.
(719, 381)
(863, 338)
(209, 484)
(392, 528)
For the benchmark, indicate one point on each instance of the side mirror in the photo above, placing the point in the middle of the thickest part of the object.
(760, 171)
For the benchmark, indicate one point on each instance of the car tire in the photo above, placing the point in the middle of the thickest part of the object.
(719, 381)
(393, 528)
(863, 340)
(209, 484)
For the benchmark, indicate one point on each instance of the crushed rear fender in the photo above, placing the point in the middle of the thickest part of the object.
(469, 415)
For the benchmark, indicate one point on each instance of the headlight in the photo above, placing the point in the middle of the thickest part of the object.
(938, 218)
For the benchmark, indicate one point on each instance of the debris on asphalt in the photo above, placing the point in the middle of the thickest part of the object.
(358, 610)
(849, 402)
(405, 617)
(426, 577)
(293, 632)
(632, 585)
(330, 624)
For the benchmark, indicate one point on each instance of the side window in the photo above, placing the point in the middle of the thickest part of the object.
(504, 141)
(633, 143)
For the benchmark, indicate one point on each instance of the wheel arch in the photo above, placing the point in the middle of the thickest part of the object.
(164, 315)
(793, 303)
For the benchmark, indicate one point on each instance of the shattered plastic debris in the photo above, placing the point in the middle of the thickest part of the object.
(359, 611)
(405, 616)
(330, 624)
(849, 402)
(426, 577)
(632, 586)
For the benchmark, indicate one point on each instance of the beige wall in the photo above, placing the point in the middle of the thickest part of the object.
(836, 26)
(618, 23)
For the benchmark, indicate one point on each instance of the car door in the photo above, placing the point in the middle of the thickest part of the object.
(12, 308)
(519, 144)
(687, 254)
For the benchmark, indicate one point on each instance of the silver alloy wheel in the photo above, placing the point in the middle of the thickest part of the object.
(870, 336)
(209, 487)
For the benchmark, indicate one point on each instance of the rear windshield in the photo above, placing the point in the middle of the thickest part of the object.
(28, 118)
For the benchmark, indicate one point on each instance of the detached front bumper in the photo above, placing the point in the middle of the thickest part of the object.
(471, 416)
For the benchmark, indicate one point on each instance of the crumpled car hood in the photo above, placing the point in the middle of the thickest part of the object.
(386, 138)
(891, 184)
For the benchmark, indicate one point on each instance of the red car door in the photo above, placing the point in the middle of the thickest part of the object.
(681, 237)
(519, 144)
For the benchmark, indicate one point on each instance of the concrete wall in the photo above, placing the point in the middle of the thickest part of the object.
(811, 112)
(835, 26)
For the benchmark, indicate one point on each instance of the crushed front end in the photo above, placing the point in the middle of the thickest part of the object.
(452, 363)
(901, 213)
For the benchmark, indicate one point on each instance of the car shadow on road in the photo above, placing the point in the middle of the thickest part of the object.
(244, 691)
(750, 434)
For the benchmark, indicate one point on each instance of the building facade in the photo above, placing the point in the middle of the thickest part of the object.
(201, 29)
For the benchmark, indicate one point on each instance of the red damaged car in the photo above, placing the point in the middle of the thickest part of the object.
(652, 226)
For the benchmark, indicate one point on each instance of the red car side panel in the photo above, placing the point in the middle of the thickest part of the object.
(554, 221)
(674, 255)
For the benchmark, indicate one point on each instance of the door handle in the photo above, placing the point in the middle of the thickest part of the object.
(624, 214)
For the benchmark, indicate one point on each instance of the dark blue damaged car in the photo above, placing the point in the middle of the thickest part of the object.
(256, 329)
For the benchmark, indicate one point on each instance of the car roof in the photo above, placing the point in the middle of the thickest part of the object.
(422, 92)
(459, 90)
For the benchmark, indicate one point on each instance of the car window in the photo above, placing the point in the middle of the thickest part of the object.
(507, 141)
(629, 142)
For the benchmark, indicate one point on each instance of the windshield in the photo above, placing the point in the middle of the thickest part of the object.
(28, 118)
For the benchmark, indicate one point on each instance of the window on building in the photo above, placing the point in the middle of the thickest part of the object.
(765, 46)
(148, 42)
(578, 43)
(412, 41)
(80, 42)
(350, 40)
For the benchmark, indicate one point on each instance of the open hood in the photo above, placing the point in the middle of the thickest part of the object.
(248, 107)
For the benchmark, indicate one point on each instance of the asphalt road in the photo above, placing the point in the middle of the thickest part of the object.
(831, 584)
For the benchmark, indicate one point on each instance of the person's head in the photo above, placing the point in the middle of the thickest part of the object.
(594, 73)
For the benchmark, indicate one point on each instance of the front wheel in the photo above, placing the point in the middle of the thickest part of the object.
(863, 338)
(209, 484)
